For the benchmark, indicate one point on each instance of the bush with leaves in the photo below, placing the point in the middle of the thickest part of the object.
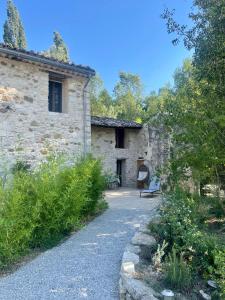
(39, 207)
(218, 272)
(183, 228)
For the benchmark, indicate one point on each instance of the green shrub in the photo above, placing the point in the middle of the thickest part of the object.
(181, 225)
(177, 272)
(218, 272)
(20, 166)
(38, 208)
(91, 171)
(16, 218)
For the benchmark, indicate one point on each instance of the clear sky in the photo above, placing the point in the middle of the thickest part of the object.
(108, 35)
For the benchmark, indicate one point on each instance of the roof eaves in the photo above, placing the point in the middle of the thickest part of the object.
(114, 123)
(31, 56)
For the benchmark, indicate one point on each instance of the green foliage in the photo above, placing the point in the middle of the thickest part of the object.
(59, 49)
(177, 272)
(219, 271)
(206, 37)
(126, 102)
(20, 166)
(110, 177)
(14, 34)
(38, 208)
(194, 116)
(155, 102)
(183, 225)
(128, 96)
(102, 104)
(198, 143)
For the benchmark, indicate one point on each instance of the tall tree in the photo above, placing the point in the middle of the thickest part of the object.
(154, 102)
(59, 49)
(128, 96)
(102, 104)
(14, 34)
(196, 116)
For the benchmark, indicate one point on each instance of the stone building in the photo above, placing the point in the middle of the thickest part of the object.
(123, 145)
(117, 143)
(45, 108)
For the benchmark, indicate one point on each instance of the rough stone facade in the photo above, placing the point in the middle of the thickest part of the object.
(27, 129)
(156, 148)
(147, 143)
(103, 146)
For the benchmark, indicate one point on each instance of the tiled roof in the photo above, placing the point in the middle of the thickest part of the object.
(35, 57)
(113, 123)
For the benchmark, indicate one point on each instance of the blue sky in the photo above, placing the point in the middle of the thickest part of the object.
(108, 35)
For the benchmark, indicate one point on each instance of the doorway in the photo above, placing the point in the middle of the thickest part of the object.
(120, 171)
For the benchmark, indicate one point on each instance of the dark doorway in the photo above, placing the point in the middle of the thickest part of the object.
(55, 96)
(120, 170)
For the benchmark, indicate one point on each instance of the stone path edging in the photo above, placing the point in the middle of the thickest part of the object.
(131, 287)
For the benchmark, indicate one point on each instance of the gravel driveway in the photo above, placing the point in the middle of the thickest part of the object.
(87, 265)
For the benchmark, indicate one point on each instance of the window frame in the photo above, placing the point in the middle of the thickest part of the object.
(52, 107)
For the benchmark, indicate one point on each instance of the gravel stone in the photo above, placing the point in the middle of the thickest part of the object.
(87, 265)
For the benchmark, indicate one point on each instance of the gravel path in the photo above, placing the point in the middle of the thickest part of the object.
(87, 265)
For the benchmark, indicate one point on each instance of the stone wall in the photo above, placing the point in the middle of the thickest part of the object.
(28, 130)
(103, 146)
(148, 143)
(156, 148)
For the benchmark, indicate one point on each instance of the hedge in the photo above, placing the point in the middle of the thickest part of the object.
(39, 207)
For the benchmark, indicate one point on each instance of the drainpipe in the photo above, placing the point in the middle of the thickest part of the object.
(85, 115)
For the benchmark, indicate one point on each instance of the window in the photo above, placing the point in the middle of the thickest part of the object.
(120, 137)
(55, 96)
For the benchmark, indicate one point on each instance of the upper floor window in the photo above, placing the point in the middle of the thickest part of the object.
(55, 96)
(120, 136)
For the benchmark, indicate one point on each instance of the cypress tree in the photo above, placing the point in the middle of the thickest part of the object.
(59, 49)
(14, 34)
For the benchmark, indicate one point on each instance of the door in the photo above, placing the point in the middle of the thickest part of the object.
(120, 170)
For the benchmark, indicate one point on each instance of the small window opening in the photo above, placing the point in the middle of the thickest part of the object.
(55, 96)
(120, 135)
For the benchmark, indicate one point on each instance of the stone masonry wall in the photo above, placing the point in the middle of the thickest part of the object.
(148, 143)
(156, 145)
(28, 130)
(103, 146)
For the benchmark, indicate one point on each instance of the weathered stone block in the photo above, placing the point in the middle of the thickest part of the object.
(143, 239)
(138, 290)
